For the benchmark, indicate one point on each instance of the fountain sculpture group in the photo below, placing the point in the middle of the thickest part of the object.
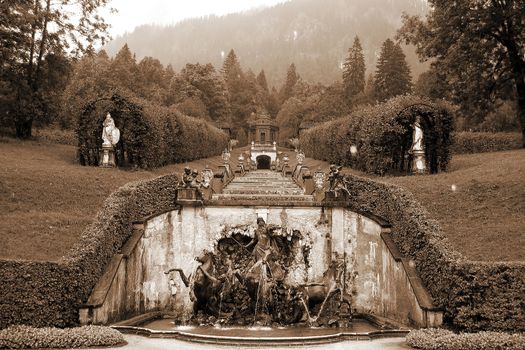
(259, 277)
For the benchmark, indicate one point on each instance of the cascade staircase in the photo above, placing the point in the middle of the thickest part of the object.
(263, 185)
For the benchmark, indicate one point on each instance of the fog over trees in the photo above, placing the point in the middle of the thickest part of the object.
(314, 35)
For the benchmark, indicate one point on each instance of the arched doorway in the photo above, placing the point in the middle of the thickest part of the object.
(263, 162)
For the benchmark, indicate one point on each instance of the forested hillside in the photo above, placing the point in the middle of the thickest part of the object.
(313, 34)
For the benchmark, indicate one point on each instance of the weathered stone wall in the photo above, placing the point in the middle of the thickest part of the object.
(376, 278)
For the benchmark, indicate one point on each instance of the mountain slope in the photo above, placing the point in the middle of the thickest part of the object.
(313, 34)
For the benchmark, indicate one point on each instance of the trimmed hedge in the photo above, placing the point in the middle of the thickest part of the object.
(382, 135)
(151, 135)
(474, 295)
(479, 142)
(24, 337)
(442, 339)
(54, 134)
(50, 293)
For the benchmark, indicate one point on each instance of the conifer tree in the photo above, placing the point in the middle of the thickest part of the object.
(392, 76)
(124, 69)
(291, 79)
(241, 90)
(231, 70)
(354, 72)
(261, 80)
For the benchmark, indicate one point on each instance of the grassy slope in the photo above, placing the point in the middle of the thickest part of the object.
(46, 199)
(484, 217)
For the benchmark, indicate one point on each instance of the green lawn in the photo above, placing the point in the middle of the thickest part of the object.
(47, 199)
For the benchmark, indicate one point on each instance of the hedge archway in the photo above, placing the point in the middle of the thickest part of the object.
(151, 135)
(128, 117)
(436, 137)
(377, 139)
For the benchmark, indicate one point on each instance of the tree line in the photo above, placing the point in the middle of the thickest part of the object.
(50, 70)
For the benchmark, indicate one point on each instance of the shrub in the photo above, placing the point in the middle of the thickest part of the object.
(440, 339)
(382, 135)
(55, 135)
(479, 142)
(25, 337)
(151, 135)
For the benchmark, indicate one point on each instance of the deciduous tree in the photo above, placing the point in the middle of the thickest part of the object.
(479, 46)
(30, 30)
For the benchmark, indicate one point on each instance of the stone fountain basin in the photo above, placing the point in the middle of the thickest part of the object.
(157, 325)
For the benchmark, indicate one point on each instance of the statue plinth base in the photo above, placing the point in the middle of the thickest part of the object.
(189, 196)
(107, 157)
(419, 164)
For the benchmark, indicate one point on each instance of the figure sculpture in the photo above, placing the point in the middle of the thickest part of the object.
(110, 137)
(418, 149)
(207, 176)
(190, 178)
(110, 133)
(258, 275)
(334, 177)
(417, 143)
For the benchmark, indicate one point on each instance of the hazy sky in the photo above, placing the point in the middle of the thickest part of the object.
(132, 13)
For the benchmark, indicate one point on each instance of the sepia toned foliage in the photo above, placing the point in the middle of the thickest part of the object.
(37, 35)
(479, 142)
(57, 289)
(444, 339)
(479, 49)
(25, 337)
(313, 34)
(382, 136)
(474, 295)
(392, 75)
(151, 135)
(200, 85)
(354, 72)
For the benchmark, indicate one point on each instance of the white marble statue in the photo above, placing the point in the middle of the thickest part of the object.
(110, 133)
(417, 143)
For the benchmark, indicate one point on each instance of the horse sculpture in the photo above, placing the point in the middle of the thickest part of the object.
(204, 285)
(320, 292)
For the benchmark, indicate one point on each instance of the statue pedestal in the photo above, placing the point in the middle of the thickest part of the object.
(419, 165)
(107, 157)
(189, 196)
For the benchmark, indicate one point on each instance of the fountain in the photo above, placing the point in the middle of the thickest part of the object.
(256, 257)
(259, 277)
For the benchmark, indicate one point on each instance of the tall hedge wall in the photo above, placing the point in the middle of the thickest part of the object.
(151, 135)
(479, 142)
(50, 293)
(475, 295)
(382, 135)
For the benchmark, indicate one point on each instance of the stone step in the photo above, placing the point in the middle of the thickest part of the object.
(263, 191)
(258, 173)
(262, 178)
(267, 198)
(265, 188)
(257, 183)
(262, 183)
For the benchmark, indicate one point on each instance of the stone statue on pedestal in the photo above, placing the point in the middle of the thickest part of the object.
(110, 137)
(417, 143)
(110, 133)
(418, 149)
